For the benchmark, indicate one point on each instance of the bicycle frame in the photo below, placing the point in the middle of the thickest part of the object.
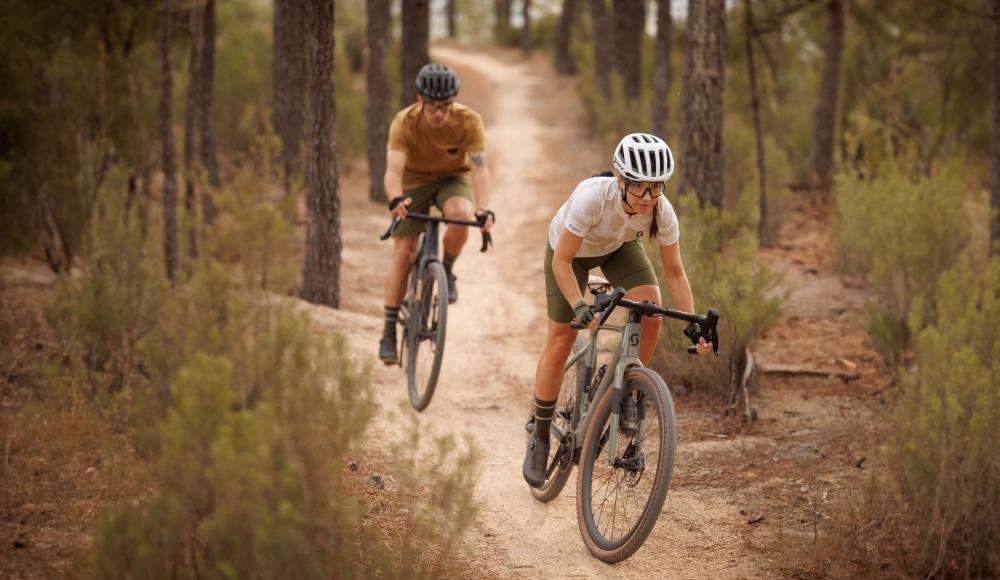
(624, 358)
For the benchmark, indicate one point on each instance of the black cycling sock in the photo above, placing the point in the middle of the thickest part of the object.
(391, 318)
(448, 262)
(543, 417)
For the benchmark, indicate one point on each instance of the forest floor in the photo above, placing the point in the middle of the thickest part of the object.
(812, 442)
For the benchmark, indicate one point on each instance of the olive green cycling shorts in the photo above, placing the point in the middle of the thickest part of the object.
(628, 267)
(437, 193)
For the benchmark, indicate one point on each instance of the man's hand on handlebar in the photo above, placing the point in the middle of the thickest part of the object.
(398, 206)
(485, 217)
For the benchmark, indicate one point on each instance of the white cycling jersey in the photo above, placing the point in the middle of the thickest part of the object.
(594, 212)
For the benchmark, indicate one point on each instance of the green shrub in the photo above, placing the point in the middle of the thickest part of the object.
(901, 229)
(943, 454)
(732, 280)
(102, 314)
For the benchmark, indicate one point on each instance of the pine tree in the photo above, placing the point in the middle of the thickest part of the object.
(321, 274)
(701, 101)
(167, 136)
(825, 115)
(413, 47)
(378, 95)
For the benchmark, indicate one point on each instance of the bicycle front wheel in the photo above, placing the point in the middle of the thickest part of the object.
(618, 503)
(425, 335)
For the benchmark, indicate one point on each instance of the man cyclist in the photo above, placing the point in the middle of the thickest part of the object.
(436, 154)
(602, 225)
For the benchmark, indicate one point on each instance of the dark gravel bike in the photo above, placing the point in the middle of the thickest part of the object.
(625, 470)
(424, 311)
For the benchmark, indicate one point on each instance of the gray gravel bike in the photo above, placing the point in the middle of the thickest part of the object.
(624, 470)
(424, 311)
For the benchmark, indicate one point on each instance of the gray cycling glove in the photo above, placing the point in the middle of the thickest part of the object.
(584, 312)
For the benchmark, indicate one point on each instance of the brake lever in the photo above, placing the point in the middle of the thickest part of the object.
(709, 331)
(392, 228)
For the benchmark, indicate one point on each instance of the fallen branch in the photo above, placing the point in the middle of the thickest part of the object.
(800, 370)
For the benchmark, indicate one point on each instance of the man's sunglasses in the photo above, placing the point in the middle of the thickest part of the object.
(643, 189)
(438, 106)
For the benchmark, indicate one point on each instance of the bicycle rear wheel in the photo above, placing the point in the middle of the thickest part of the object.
(618, 504)
(425, 335)
(560, 462)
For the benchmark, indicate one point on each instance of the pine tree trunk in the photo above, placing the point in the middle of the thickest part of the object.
(206, 111)
(501, 9)
(289, 78)
(763, 228)
(825, 116)
(378, 95)
(600, 30)
(526, 43)
(564, 38)
(995, 182)
(167, 136)
(629, 19)
(192, 123)
(321, 274)
(452, 22)
(662, 70)
(413, 47)
(701, 163)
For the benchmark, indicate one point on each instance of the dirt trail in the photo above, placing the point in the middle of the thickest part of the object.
(736, 498)
(538, 150)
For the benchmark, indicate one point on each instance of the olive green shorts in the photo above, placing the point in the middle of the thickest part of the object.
(437, 193)
(628, 267)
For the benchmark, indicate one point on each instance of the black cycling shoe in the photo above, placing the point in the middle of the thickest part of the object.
(452, 289)
(535, 460)
(387, 351)
(628, 416)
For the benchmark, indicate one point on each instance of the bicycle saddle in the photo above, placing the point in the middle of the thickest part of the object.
(598, 285)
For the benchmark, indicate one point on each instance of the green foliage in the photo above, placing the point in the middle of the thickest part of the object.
(943, 454)
(731, 280)
(901, 228)
(102, 315)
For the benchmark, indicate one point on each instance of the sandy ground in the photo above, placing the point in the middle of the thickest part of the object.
(806, 443)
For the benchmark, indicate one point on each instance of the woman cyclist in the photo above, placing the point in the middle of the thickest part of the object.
(602, 225)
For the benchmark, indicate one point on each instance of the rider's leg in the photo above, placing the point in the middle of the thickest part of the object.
(548, 380)
(458, 208)
(650, 325)
(455, 204)
(403, 253)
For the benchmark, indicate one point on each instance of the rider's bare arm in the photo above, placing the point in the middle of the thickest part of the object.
(480, 176)
(678, 285)
(562, 265)
(395, 162)
(675, 278)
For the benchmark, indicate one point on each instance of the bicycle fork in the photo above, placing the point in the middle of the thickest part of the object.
(629, 359)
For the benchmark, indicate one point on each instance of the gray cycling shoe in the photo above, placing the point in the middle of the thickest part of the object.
(628, 416)
(387, 351)
(535, 460)
(452, 289)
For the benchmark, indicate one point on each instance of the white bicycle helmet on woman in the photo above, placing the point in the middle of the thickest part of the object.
(643, 157)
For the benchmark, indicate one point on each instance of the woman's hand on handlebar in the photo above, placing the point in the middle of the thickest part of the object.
(703, 347)
(399, 205)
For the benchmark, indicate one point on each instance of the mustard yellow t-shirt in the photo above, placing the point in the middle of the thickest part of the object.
(432, 154)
